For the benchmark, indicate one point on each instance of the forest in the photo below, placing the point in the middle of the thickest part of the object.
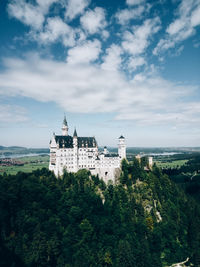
(187, 176)
(144, 220)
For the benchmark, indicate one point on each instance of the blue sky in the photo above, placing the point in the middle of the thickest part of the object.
(128, 67)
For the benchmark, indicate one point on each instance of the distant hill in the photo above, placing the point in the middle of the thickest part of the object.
(21, 150)
(130, 150)
(12, 147)
(145, 220)
(148, 150)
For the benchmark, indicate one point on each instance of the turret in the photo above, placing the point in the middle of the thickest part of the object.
(105, 150)
(75, 145)
(122, 147)
(75, 133)
(53, 144)
(65, 127)
(53, 148)
(150, 162)
(75, 138)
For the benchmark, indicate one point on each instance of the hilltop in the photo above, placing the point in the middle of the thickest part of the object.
(78, 220)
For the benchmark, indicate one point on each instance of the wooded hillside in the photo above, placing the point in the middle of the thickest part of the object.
(143, 221)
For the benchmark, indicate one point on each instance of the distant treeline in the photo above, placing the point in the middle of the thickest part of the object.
(78, 220)
(179, 156)
(188, 175)
(158, 150)
(6, 151)
(130, 150)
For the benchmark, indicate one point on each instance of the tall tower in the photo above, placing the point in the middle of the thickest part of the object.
(122, 147)
(65, 127)
(75, 154)
(53, 148)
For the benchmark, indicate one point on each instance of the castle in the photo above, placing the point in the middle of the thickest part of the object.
(73, 153)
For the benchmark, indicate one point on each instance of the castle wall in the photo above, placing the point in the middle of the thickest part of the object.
(75, 153)
(106, 173)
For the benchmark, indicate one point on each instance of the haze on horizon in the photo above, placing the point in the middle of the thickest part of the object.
(128, 67)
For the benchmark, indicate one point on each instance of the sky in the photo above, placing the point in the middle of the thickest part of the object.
(129, 67)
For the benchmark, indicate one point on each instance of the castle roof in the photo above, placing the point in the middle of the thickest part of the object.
(67, 141)
(87, 142)
(111, 155)
(64, 141)
(65, 121)
(75, 133)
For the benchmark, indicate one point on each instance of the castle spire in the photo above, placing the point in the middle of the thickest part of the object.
(65, 127)
(75, 133)
(65, 121)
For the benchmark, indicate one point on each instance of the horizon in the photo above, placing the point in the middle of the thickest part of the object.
(128, 147)
(129, 67)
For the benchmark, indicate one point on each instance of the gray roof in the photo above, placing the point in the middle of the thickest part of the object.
(67, 141)
(64, 141)
(65, 121)
(87, 142)
(75, 133)
(111, 155)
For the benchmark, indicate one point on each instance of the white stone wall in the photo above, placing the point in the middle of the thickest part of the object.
(74, 159)
(107, 174)
(122, 148)
(106, 167)
(150, 161)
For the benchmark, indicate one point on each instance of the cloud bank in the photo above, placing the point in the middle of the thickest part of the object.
(91, 88)
(107, 67)
(183, 27)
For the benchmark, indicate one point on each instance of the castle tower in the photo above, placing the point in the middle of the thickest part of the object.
(75, 145)
(122, 147)
(53, 148)
(105, 150)
(65, 127)
(150, 162)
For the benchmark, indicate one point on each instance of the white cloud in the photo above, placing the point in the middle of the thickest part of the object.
(112, 59)
(188, 17)
(85, 53)
(137, 41)
(45, 4)
(29, 14)
(26, 13)
(176, 26)
(93, 21)
(125, 15)
(45, 29)
(135, 62)
(105, 34)
(75, 8)
(56, 29)
(195, 17)
(12, 113)
(88, 88)
(134, 2)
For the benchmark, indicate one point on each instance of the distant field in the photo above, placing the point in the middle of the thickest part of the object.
(31, 164)
(171, 163)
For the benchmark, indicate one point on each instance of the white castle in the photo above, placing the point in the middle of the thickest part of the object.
(72, 153)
